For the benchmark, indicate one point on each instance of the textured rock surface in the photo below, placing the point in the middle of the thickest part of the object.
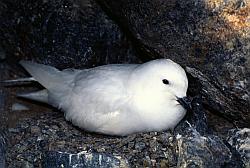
(81, 159)
(211, 36)
(63, 33)
(240, 139)
(3, 117)
(197, 146)
(2, 98)
(196, 150)
(2, 149)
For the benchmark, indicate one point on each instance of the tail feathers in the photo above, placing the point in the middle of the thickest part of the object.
(46, 75)
(56, 83)
(41, 96)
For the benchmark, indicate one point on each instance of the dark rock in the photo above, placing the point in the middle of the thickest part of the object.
(184, 146)
(81, 159)
(215, 98)
(35, 129)
(3, 145)
(196, 145)
(240, 140)
(3, 114)
(2, 54)
(26, 164)
(195, 150)
(65, 33)
(14, 130)
(2, 101)
(211, 37)
(19, 107)
(197, 117)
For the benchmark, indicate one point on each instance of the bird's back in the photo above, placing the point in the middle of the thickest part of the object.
(96, 96)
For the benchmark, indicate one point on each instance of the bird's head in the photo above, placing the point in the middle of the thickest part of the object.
(160, 81)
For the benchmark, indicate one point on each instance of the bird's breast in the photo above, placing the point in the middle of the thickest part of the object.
(158, 117)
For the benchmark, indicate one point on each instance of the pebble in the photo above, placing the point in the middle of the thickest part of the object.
(19, 107)
(14, 130)
(35, 130)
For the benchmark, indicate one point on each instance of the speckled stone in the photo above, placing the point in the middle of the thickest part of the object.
(240, 139)
(34, 129)
(82, 159)
(3, 145)
(65, 34)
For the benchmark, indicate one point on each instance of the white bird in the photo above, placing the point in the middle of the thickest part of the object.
(115, 99)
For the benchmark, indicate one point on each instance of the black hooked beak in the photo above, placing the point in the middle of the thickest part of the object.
(185, 102)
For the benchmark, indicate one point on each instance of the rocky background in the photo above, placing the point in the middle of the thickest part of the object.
(209, 38)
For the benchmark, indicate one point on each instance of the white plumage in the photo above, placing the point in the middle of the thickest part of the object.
(115, 99)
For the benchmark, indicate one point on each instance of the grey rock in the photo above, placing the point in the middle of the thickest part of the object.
(62, 33)
(2, 54)
(197, 146)
(3, 144)
(240, 139)
(81, 159)
(214, 98)
(210, 36)
(197, 116)
(3, 126)
(26, 164)
(19, 107)
(34, 129)
(14, 130)
(2, 102)
(196, 150)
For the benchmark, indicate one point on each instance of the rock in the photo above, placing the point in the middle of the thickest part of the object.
(82, 159)
(19, 107)
(3, 144)
(196, 145)
(240, 139)
(65, 34)
(3, 126)
(26, 164)
(210, 36)
(34, 129)
(2, 54)
(190, 144)
(195, 150)
(3, 112)
(215, 99)
(197, 116)
(14, 130)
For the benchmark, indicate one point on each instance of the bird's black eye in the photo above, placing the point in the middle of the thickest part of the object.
(165, 81)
